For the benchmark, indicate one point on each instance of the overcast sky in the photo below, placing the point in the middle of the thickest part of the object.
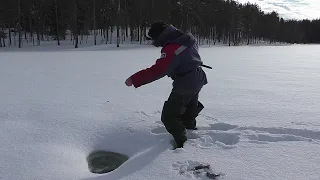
(290, 9)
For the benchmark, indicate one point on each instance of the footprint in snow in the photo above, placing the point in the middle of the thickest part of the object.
(131, 130)
(227, 136)
(278, 134)
(259, 135)
(156, 112)
(225, 140)
(305, 124)
(194, 170)
(159, 130)
(207, 137)
(208, 117)
(222, 126)
(142, 113)
(266, 138)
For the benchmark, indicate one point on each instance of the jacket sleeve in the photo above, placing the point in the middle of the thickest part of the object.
(158, 70)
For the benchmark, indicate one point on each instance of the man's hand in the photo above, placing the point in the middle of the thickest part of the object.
(129, 82)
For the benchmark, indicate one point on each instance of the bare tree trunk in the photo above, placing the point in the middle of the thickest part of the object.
(123, 35)
(14, 38)
(94, 22)
(42, 31)
(47, 32)
(140, 35)
(38, 37)
(235, 38)
(214, 35)
(106, 35)
(57, 21)
(3, 38)
(229, 35)
(10, 34)
(76, 24)
(144, 33)
(39, 24)
(131, 33)
(127, 32)
(81, 35)
(2, 35)
(87, 39)
(211, 35)
(25, 31)
(118, 25)
(111, 34)
(30, 26)
(19, 26)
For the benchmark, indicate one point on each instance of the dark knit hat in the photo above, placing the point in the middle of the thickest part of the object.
(156, 30)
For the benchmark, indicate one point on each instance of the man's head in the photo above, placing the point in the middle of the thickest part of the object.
(156, 30)
(160, 33)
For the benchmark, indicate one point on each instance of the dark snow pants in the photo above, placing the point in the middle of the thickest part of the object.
(179, 113)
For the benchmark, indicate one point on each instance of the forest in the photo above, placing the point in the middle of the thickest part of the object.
(211, 21)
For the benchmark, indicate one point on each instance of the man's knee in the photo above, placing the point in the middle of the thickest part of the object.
(170, 117)
(165, 112)
(200, 107)
(168, 113)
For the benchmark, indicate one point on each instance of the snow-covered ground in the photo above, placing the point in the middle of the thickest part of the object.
(260, 122)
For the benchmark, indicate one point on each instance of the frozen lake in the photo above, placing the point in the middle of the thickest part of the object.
(261, 118)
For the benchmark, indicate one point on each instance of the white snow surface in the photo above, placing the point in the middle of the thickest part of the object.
(260, 122)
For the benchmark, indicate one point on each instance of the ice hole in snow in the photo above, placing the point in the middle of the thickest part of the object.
(100, 162)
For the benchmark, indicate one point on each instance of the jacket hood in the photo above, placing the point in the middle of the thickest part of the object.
(172, 34)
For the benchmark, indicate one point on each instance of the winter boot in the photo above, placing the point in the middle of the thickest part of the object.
(179, 141)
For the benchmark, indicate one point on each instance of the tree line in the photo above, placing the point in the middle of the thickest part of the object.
(211, 21)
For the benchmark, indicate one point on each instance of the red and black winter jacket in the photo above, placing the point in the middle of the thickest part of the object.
(158, 70)
(179, 60)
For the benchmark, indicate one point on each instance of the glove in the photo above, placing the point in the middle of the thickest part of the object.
(129, 82)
